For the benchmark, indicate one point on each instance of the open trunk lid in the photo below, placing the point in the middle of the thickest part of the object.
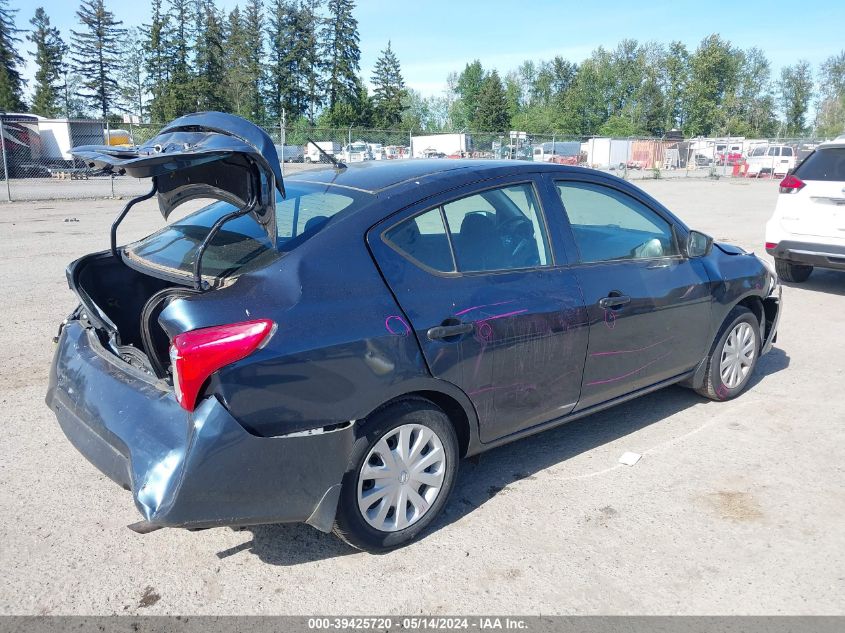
(203, 155)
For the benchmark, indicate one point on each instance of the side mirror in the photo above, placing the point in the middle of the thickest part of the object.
(698, 244)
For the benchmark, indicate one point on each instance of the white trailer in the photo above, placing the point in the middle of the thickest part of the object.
(604, 152)
(446, 144)
(313, 155)
(59, 136)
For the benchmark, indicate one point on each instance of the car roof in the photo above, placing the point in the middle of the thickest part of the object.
(376, 176)
(838, 143)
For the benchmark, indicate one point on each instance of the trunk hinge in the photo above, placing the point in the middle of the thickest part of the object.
(123, 213)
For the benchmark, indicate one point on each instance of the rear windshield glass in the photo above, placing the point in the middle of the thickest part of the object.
(823, 164)
(242, 244)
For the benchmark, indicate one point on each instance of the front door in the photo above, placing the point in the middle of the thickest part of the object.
(648, 305)
(476, 278)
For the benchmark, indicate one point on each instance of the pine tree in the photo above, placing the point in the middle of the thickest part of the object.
(210, 61)
(179, 97)
(96, 54)
(340, 43)
(388, 89)
(11, 82)
(132, 79)
(308, 53)
(157, 51)
(49, 53)
(237, 51)
(492, 114)
(254, 39)
(282, 90)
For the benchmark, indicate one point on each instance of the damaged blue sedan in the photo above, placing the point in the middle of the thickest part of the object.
(326, 348)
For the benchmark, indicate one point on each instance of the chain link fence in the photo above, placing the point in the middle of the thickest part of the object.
(37, 163)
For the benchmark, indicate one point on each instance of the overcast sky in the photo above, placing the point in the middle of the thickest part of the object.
(433, 37)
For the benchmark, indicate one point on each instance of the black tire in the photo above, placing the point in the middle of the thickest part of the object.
(714, 387)
(350, 525)
(793, 273)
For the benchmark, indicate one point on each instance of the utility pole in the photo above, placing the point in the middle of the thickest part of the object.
(282, 140)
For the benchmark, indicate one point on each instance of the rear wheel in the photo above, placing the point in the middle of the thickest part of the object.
(794, 273)
(399, 476)
(734, 356)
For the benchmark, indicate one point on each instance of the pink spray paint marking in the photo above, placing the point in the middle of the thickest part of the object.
(722, 391)
(506, 314)
(630, 373)
(610, 319)
(486, 305)
(396, 325)
(632, 351)
(484, 335)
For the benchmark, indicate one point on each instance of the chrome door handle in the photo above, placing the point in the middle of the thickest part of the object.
(447, 331)
(614, 302)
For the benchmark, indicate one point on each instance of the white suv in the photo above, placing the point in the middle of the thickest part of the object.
(808, 226)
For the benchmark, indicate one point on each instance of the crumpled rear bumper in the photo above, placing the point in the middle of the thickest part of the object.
(189, 470)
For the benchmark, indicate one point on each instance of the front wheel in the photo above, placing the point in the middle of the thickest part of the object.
(793, 273)
(399, 477)
(734, 356)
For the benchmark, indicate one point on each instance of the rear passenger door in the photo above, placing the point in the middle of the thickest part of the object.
(475, 275)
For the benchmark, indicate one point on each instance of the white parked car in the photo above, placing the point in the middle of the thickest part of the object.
(774, 160)
(808, 226)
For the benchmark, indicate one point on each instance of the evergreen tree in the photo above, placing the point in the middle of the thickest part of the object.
(158, 55)
(179, 97)
(492, 114)
(341, 52)
(308, 53)
(796, 90)
(96, 54)
(237, 52)
(132, 78)
(283, 91)
(388, 89)
(210, 60)
(49, 53)
(468, 88)
(11, 82)
(254, 39)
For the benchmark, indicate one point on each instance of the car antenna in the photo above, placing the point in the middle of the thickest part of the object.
(327, 156)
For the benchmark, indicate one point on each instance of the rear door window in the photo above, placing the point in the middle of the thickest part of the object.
(773, 151)
(823, 164)
(496, 229)
(423, 239)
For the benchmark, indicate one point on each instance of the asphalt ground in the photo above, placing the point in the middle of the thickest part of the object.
(734, 508)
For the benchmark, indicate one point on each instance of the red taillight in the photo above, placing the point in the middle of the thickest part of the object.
(791, 184)
(770, 246)
(197, 354)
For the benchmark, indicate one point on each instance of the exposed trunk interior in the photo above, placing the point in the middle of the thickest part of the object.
(131, 302)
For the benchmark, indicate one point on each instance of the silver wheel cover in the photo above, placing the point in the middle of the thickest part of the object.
(738, 355)
(401, 477)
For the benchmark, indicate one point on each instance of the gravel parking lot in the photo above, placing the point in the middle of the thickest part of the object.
(735, 508)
